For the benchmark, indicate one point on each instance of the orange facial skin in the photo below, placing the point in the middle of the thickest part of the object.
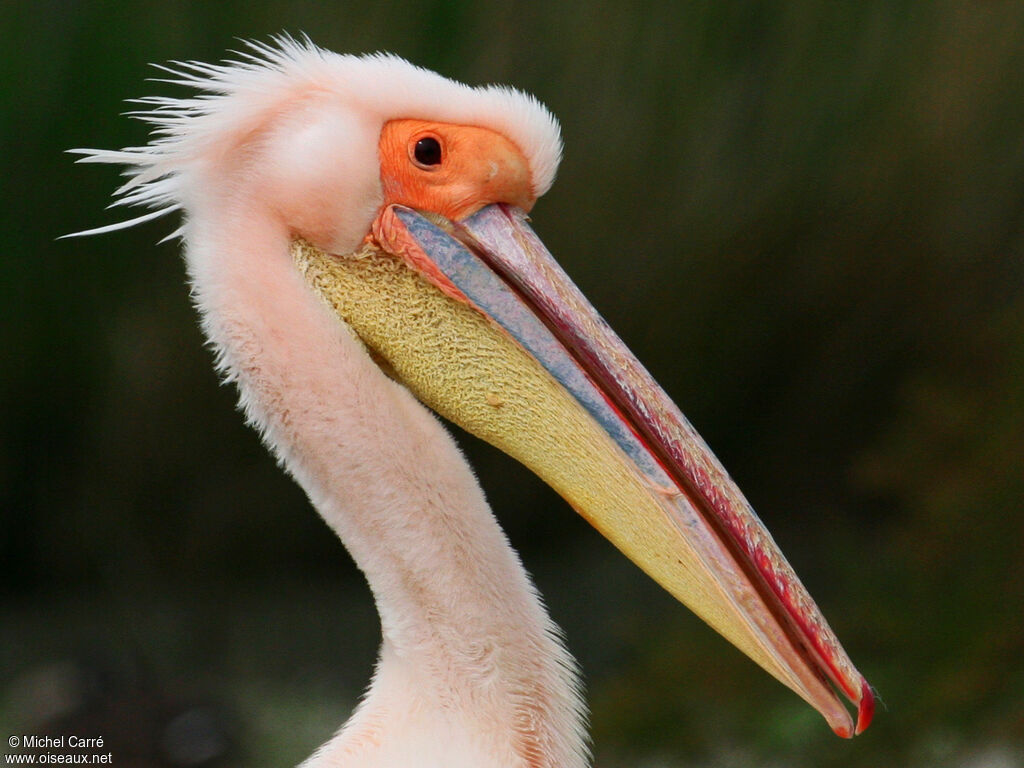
(476, 167)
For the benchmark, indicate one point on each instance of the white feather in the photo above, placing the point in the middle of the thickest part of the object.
(284, 141)
(237, 97)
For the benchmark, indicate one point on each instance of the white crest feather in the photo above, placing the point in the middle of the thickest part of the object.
(236, 96)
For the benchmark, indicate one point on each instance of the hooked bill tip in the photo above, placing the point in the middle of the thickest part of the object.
(865, 712)
(866, 708)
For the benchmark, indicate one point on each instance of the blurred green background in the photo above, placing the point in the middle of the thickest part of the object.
(805, 217)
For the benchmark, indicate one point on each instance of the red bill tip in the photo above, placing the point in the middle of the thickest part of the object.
(866, 710)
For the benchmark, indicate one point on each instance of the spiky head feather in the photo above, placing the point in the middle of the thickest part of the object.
(237, 100)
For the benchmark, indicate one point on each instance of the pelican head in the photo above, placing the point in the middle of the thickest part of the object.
(355, 231)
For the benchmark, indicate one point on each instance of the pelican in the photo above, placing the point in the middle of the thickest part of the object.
(356, 239)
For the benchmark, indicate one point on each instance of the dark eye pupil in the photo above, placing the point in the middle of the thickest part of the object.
(428, 151)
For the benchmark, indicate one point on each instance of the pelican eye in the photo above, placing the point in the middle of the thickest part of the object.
(427, 152)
